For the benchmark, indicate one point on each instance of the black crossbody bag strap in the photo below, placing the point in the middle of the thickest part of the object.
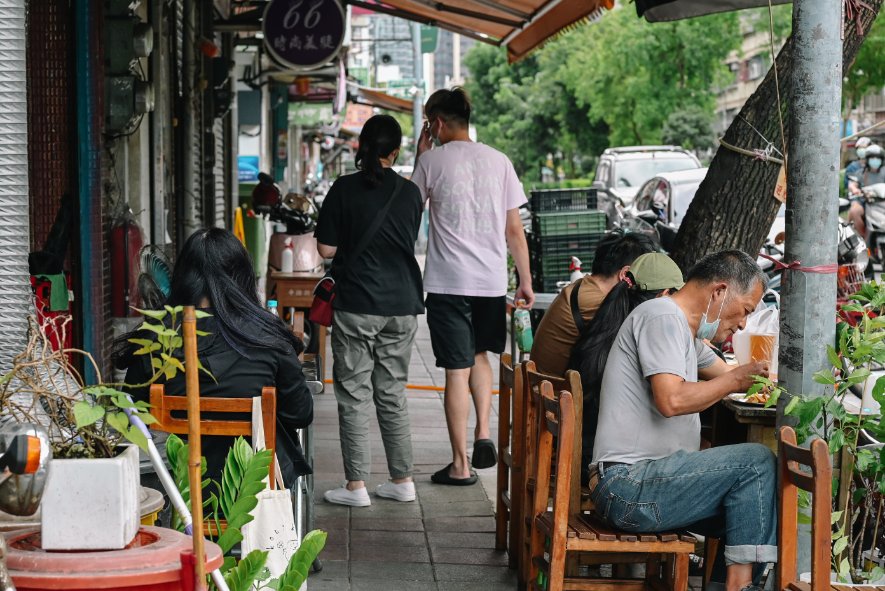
(576, 309)
(371, 232)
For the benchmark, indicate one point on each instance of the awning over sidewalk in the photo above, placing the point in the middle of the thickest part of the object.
(376, 98)
(670, 10)
(518, 25)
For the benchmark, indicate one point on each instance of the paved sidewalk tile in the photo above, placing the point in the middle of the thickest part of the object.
(443, 541)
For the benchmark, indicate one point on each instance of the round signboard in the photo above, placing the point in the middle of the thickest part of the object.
(303, 34)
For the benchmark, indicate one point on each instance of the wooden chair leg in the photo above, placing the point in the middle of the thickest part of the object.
(669, 571)
(653, 568)
(502, 514)
(680, 576)
(536, 548)
(514, 541)
(711, 547)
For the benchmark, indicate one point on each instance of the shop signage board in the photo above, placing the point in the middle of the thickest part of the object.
(429, 38)
(303, 34)
(356, 116)
(310, 114)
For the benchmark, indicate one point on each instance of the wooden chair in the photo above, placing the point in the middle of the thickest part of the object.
(164, 405)
(531, 382)
(665, 555)
(510, 458)
(819, 483)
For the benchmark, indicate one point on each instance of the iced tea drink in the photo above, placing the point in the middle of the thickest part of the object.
(762, 346)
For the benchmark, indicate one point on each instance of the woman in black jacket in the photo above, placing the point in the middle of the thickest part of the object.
(246, 348)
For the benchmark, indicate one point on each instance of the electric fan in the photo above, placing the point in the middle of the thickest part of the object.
(155, 280)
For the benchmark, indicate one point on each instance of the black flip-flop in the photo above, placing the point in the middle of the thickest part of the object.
(484, 454)
(442, 477)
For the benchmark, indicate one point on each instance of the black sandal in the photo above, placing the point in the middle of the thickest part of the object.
(484, 454)
(442, 477)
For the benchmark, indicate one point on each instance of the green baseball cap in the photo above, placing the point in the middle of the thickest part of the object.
(654, 271)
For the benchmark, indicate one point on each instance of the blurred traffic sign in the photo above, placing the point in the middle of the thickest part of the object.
(429, 39)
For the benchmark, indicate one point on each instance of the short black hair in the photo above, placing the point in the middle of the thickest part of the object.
(451, 104)
(618, 249)
(734, 267)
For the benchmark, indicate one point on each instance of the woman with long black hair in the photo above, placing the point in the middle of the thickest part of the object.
(650, 276)
(369, 223)
(245, 349)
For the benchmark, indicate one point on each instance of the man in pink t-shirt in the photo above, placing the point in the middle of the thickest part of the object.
(474, 197)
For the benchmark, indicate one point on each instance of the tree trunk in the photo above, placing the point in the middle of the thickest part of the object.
(735, 206)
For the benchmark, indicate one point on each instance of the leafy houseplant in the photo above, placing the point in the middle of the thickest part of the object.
(234, 498)
(859, 483)
(91, 497)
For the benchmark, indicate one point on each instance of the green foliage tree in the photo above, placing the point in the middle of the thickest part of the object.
(867, 73)
(690, 128)
(633, 75)
(525, 111)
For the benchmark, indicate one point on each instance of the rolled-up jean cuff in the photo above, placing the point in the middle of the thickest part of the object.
(750, 554)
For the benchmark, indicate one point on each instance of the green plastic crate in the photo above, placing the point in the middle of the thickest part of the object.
(557, 266)
(570, 222)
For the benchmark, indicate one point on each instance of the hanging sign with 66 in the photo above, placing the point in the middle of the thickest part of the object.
(303, 34)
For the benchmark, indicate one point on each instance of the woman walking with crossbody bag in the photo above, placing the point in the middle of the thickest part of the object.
(369, 223)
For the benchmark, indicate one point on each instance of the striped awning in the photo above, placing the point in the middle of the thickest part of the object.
(519, 25)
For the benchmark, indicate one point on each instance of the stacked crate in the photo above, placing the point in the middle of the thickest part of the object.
(565, 223)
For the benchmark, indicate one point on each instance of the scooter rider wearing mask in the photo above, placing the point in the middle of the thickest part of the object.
(873, 173)
(855, 167)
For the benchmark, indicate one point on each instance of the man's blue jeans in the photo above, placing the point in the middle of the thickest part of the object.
(727, 491)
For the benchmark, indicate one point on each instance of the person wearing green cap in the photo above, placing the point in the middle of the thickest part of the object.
(651, 275)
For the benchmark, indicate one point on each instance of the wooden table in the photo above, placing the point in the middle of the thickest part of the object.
(295, 290)
(735, 422)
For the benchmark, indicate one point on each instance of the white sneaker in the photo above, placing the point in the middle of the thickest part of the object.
(404, 491)
(353, 498)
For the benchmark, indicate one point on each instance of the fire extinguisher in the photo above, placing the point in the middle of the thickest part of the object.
(126, 244)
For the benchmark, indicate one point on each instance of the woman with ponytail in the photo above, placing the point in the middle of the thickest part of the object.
(368, 225)
(650, 276)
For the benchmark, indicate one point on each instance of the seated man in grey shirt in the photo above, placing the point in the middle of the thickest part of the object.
(650, 473)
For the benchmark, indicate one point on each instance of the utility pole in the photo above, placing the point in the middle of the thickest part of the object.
(418, 100)
(809, 299)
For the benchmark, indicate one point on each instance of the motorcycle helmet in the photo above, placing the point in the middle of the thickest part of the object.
(874, 157)
(860, 146)
(266, 195)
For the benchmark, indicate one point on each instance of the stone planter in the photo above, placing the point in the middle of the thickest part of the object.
(91, 504)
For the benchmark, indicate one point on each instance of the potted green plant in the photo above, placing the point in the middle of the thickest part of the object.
(91, 498)
(234, 498)
(859, 478)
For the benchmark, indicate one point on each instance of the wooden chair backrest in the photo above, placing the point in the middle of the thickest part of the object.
(164, 405)
(506, 376)
(571, 383)
(556, 419)
(819, 483)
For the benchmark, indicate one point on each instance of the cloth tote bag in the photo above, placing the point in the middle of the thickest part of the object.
(273, 529)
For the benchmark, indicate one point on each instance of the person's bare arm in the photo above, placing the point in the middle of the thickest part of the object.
(326, 251)
(674, 396)
(519, 248)
(715, 370)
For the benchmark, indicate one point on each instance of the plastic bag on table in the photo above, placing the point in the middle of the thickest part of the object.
(764, 323)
